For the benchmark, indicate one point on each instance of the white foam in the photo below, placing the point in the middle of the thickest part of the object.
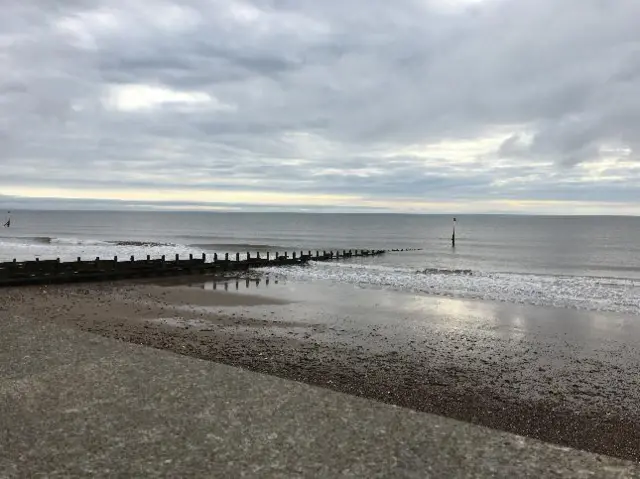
(77, 241)
(90, 249)
(578, 292)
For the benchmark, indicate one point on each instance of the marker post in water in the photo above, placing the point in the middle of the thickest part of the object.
(453, 236)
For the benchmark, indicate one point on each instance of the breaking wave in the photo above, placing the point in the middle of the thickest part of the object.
(48, 240)
(70, 241)
(143, 244)
(69, 248)
(239, 247)
(575, 292)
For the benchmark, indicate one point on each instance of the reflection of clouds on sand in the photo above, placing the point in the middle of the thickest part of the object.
(478, 315)
(571, 292)
(237, 284)
(403, 313)
(538, 352)
(512, 321)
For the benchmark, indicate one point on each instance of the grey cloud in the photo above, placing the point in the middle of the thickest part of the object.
(359, 78)
(18, 204)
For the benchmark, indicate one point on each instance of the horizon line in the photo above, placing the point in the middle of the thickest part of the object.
(395, 213)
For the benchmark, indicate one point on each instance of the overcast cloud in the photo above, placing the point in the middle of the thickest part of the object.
(404, 105)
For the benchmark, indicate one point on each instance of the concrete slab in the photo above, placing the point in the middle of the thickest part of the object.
(74, 404)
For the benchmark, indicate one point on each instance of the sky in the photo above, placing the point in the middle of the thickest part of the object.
(419, 106)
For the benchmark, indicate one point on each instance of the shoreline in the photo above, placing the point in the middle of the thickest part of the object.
(585, 396)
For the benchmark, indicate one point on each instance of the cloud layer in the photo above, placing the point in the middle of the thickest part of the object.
(412, 105)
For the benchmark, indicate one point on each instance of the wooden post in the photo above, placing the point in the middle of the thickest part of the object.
(286, 255)
(177, 257)
(204, 257)
(115, 259)
(226, 256)
(453, 236)
(248, 256)
(294, 255)
(317, 253)
(163, 259)
(78, 259)
(276, 255)
(148, 257)
(238, 257)
(215, 257)
(258, 255)
(190, 257)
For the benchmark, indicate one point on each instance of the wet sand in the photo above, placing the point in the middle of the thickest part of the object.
(562, 376)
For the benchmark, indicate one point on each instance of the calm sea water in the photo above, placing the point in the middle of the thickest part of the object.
(578, 262)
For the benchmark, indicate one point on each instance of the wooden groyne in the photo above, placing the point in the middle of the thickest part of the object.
(16, 273)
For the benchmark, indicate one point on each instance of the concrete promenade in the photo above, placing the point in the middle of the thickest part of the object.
(77, 405)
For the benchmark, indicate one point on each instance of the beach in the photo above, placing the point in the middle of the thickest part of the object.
(564, 376)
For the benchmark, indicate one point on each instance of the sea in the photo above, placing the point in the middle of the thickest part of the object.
(579, 262)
